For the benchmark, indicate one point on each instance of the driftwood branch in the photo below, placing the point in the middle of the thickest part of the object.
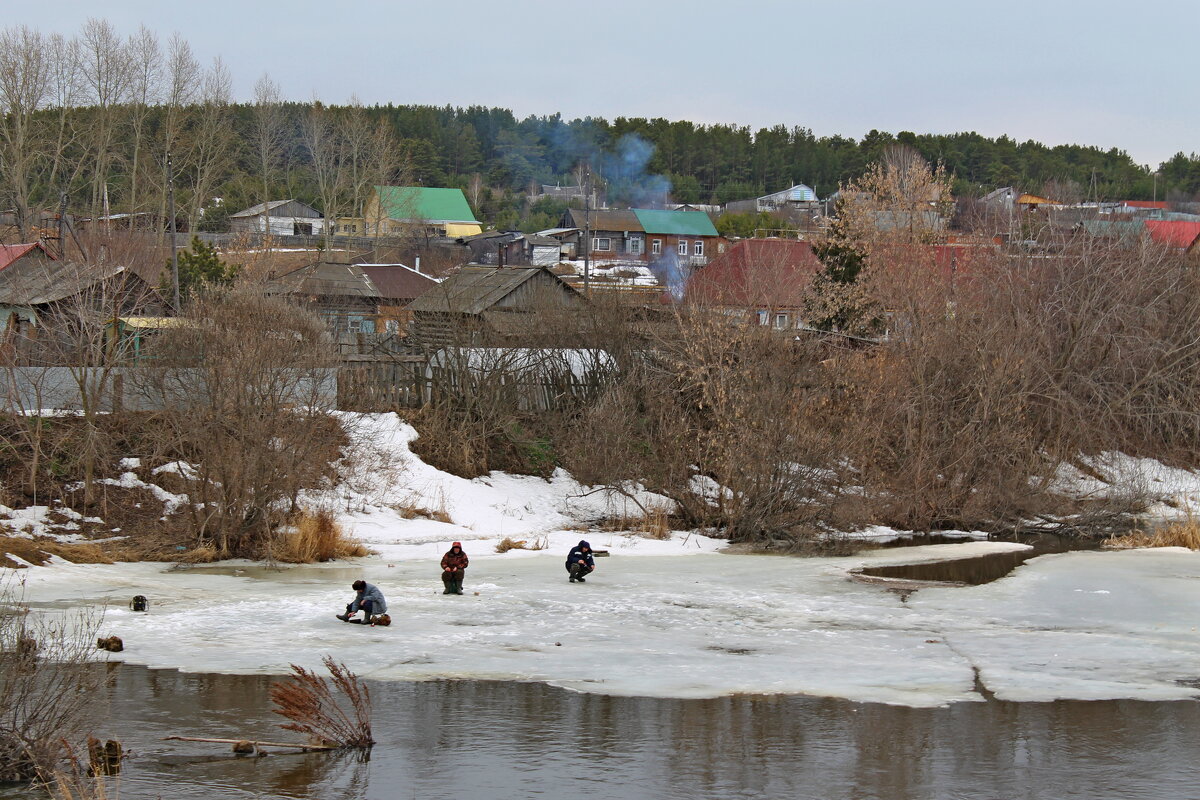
(303, 747)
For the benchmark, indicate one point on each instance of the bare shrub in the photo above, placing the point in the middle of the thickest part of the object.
(316, 536)
(243, 384)
(49, 686)
(341, 719)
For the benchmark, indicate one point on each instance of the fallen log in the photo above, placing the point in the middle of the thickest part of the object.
(301, 747)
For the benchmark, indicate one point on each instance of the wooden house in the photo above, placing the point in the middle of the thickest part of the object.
(645, 236)
(47, 305)
(529, 306)
(280, 218)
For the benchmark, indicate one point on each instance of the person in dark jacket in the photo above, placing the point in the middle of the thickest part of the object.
(454, 564)
(580, 561)
(368, 599)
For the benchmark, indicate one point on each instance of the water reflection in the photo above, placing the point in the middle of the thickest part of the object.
(470, 740)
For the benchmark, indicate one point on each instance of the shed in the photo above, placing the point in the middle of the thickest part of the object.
(480, 302)
(279, 217)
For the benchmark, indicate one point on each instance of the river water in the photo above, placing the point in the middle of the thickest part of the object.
(495, 741)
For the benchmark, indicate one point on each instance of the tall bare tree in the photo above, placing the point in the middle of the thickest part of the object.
(267, 129)
(326, 149)
(212, 139)
(25, 73)
(106, 72)
(145, 71)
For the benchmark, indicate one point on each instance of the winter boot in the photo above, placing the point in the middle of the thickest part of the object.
(343, 617)
(458, 587)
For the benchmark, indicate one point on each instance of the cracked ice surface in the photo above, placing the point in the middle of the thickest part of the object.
(1078, 625)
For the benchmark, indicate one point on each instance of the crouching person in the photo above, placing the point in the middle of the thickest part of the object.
(454, 564)
(368, 599)
(580, 561)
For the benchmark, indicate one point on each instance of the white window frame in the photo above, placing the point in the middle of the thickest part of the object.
(781, 322)
(763, 318)
(598, 248)
(683, 243)
(698, 248)
(656, 247)
(636, 245)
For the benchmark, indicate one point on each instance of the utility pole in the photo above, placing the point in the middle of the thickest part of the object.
(587, 231)
(171, 223)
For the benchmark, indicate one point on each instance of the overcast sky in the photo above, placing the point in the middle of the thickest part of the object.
(1105, 73)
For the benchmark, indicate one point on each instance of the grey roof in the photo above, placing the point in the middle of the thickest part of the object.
(257, 210)
(29, 282)
(474, 289)
(325, 280)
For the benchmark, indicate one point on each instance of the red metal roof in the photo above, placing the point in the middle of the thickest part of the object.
(1146, 204)
(1173, 233)
(398, 282)
(767, 273)
(11, 252)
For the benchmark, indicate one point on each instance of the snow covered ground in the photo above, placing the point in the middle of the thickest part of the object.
(672, 618)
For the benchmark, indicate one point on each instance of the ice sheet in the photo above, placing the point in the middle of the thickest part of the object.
(1078, 625)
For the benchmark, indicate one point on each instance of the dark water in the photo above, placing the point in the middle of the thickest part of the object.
(979, 569)
(495, 741)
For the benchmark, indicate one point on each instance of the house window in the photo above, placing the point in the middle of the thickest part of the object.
(781, 321)
(763, 317)
(683, 247)
(698, 250)
(656, 247)
(635, 246)
(602, 243)
(392, 326)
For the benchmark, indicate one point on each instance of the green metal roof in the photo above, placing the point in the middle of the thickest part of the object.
(676, 223)
(425, 203)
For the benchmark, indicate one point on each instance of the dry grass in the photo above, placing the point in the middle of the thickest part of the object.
(1185, 533)
(508, 543)
(316, 536)
(654, 524)
(413, 511)
(39, 551)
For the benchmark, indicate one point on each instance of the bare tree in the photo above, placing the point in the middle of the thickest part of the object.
(326, 149)
(145, 69)
(266, 135)
(25, 75)
(212, 139)
(106, 71)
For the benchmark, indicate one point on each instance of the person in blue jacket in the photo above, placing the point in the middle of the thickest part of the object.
(580, 561)
(368, 599)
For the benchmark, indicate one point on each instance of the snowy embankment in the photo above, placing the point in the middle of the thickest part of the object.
(667, 618)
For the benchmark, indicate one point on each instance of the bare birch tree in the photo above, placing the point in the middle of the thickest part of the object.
(212, 140)
(266, 134)
(106, 72)
(326, 150)
(25, 72)
(145, 70)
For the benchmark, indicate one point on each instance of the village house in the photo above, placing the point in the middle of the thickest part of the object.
(399, 210)
(357, 301)
(645, 236)
(757, 282)
(513, 306)
(43, 300)
(279, 218)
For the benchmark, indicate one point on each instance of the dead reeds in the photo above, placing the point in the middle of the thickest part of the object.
(509, 543)
(316, 536)
(337, 720)
(1184, 533)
